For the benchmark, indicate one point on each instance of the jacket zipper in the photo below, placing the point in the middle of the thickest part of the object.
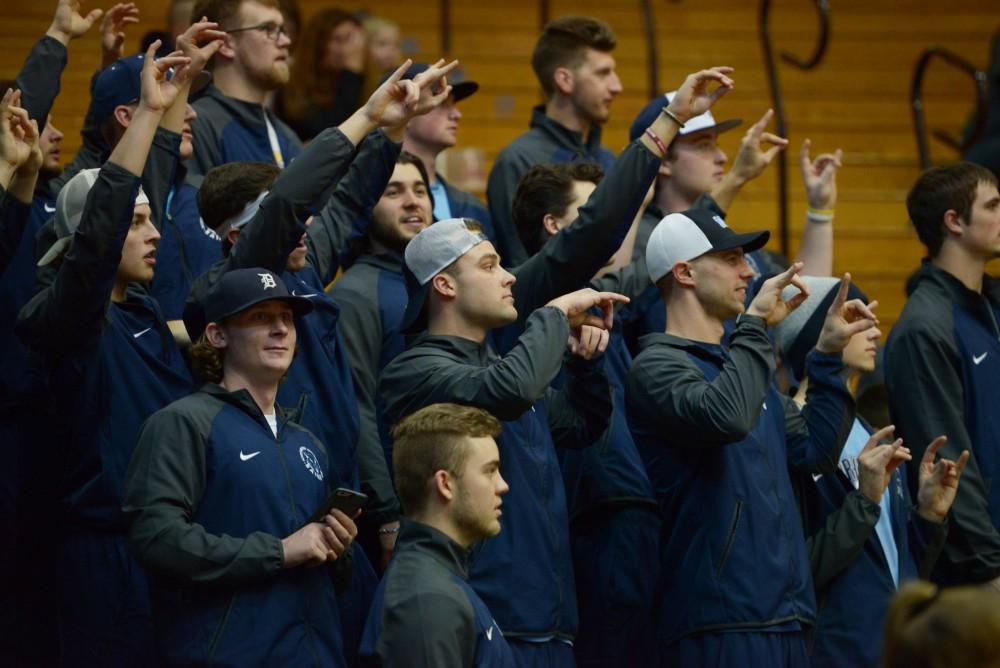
(217, 637)
(730, 538)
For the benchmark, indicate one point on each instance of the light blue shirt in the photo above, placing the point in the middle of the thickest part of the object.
(883, 528)
(442, 209)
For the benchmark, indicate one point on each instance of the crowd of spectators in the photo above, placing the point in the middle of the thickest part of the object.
(274, 392)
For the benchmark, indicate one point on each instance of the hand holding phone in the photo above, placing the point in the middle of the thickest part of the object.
(345, 500)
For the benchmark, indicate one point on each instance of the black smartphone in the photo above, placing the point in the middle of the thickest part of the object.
(345, 500)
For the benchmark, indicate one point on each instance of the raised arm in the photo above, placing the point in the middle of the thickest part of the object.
(820, 179)
(751, 161)
(572, 257)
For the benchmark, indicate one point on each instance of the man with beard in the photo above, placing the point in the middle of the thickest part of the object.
(573, 62)
(233, 123)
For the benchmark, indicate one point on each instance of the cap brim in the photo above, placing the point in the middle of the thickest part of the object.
(718, 127)
(300, 306)
(749, 242)
(463, 89)
(55, 251)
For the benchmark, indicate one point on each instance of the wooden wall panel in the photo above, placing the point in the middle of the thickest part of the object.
(856, 100)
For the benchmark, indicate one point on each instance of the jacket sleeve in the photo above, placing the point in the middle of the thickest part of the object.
(580, 412)
(160, 173)
(569, 260)
(506, 388)
(927, 541)
(70, 311)
(361, 328)
(348, 210)
(837, 543)
(500, 189)
(163, 487)
(14, 216)
(427, 630)
(39, 78)
(273, 233)
(670, 390)
(816, 434)
(926, 401)
(631, 280)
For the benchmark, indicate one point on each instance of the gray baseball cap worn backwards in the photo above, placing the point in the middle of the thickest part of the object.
(70, 203)
(433, 249)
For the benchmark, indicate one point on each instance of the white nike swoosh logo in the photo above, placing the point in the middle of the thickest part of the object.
(295, 294)
(489, 633)
(138, 334)
(245, 458)
(49, 209)
(976, 359)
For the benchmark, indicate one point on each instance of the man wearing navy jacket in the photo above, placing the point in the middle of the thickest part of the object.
(717, 437)
(114, 362)
(943, 357)
(221, 517)
(425, 613)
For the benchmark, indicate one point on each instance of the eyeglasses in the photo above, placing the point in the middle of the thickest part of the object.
(272, 31)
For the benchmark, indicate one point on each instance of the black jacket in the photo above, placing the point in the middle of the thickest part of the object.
(425, 614)
(943, 376)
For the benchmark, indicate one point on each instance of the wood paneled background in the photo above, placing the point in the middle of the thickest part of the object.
(857, 99)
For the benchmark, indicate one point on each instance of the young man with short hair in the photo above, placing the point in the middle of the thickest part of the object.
(717, 439)
(525, 575)
(233, 123)
(113, 363)
(430, 135)
(425, 614)
(943, 357)
(573, 63)
(221, 517)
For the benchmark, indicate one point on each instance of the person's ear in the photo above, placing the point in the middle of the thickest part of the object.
(953, 224)
(123, 115)
(215, 335)
(564, 80)
(232, 235)
(683, 274)
(666, 169)
(444, 285)
(444, 485)
(226, 50)
(551, 224)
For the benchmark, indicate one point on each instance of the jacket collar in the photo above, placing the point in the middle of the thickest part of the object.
(242, 400)
(388, 261)
(929, 273)
(563, 136)
(713, 351)
(457, 346)
(247, 113)
(423, 538)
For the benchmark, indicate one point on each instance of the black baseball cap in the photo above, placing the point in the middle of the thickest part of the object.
(240, 289)
(680, 237)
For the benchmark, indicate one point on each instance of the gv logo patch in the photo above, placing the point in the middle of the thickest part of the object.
(311, 462)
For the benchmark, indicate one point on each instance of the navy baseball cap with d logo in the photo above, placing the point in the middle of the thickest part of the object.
(240, 289)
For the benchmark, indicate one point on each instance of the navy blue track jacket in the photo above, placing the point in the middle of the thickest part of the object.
(943, 376)
(211, 491)
(717, 439)
(114, 363)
